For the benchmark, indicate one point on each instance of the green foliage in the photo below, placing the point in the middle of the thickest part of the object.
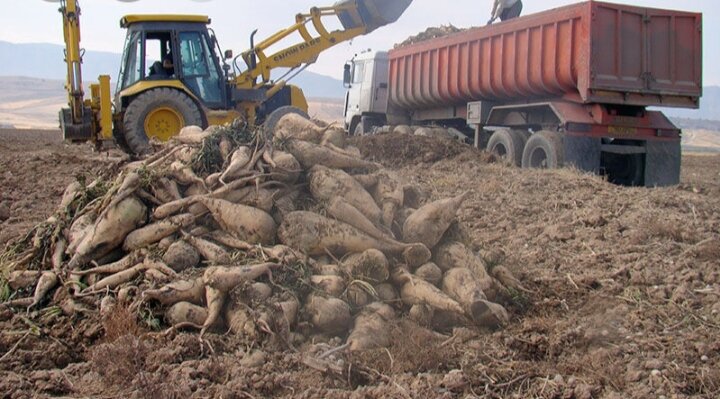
(88, 194)
(147, 177)
(294, 278)
(5, 291)
(519, 300)
(208, 159)
(148, 319)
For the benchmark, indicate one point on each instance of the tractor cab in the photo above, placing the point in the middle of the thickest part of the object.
(175, 51)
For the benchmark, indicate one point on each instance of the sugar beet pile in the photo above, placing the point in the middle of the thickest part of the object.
(284, 238)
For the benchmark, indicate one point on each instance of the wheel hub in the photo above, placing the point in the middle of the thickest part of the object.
(538, 159)
(163, 123)
(500, 150)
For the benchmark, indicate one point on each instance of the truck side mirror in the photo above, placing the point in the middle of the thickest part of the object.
(347, 76)
(228, 54)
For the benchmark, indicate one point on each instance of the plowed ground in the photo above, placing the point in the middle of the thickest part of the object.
(623, 294)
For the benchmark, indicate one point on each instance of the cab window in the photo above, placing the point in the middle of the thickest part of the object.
(199, 71)
(132, 70)
(159, 62)
(358, 72)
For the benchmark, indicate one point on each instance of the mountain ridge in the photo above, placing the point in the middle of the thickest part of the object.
(46, 61)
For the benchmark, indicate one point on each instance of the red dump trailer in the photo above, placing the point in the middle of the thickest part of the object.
(568, 86)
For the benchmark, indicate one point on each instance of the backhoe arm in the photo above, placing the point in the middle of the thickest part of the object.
(84, 119)
(73, 58)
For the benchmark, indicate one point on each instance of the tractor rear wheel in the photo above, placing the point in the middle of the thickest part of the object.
(158, 113)
(274, 117)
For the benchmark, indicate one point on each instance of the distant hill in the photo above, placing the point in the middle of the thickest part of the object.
(45, 61)
(34, 103)
(31, 102)
(709, 106)
(697, 124)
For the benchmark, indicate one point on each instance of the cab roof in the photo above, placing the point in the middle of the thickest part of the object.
(137, 18)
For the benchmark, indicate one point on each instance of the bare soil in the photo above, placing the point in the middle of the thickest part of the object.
(35, 168)
(623, 301)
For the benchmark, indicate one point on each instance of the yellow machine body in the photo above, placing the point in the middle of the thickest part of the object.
(172, 74)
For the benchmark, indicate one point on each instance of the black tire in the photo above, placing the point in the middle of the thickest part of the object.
(508, 144)
(367, 125)
(625, 169)
(544, 150)
(358, 130)
(275, 116)
(525, 136)
(134, 120)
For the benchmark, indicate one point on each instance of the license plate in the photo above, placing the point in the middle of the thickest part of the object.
(622, 130)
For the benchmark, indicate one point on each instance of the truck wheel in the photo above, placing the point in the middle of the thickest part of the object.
(625, 170)
(544, 150)
(366, 125)
(159, 113)
(358, 130)
(275, 116)
(508, 144)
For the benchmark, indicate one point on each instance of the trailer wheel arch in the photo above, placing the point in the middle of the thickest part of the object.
(542, 115)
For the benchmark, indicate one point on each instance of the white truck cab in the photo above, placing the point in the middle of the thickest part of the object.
(366, 100)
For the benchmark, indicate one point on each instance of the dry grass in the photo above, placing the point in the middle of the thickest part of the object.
(122, 363)
(409, 352)
(666, 230)
(120, 323)
(122, 359)
(708, 250)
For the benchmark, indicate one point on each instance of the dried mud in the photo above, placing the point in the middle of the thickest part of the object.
(624, 287)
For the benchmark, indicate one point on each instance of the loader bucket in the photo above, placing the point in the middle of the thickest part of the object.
(371, 14)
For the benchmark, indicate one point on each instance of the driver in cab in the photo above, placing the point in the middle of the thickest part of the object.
(164, 69)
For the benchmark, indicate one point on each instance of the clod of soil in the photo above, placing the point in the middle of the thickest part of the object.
(4, 211)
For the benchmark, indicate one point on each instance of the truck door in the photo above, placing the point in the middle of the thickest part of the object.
(366, 87)
(672, 45)
(646, 50)
(379, 85)
(352, 102)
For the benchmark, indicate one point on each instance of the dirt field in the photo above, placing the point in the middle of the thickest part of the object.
(623, 301)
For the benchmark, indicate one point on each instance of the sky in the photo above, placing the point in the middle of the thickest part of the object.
(37, 21)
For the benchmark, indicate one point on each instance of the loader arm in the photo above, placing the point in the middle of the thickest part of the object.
(358, 17)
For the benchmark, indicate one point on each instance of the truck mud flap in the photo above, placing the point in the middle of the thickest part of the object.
(582, 153)
(662, 163)
(661, 160)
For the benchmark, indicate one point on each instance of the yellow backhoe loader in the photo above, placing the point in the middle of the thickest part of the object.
(171, 75)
